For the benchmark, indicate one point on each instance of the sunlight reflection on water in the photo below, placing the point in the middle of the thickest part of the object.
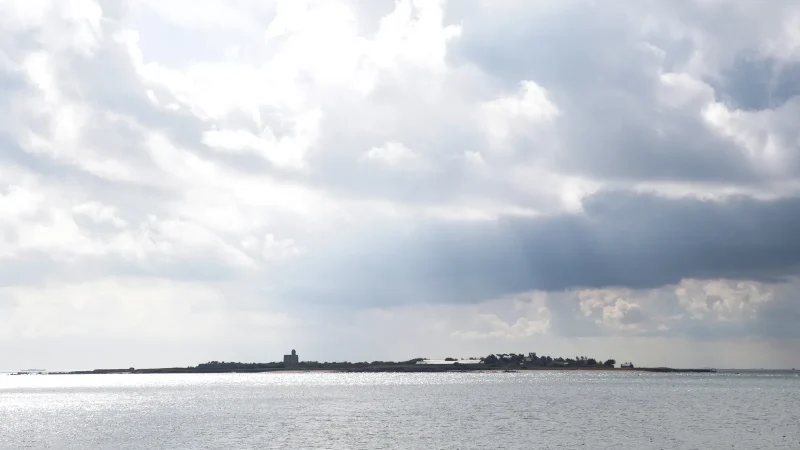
(438, 410)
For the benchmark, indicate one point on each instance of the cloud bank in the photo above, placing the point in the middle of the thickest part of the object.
(210, 175)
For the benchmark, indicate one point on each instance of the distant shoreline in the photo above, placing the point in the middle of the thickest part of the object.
(417, 368)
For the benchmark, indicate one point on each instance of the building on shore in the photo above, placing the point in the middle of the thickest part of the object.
(452, 361)
(291, 360)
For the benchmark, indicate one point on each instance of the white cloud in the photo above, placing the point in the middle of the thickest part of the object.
(522, 112)
(765, 135)
(286, 152)
(100, 213)
(71, 25)
(201, 170)
(394, 155)
(614, 308)
(213, 15)
(723, 300)
(522, 328)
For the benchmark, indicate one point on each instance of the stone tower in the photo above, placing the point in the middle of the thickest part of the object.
(291, 360)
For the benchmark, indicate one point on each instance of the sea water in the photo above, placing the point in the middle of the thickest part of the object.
(523, 410)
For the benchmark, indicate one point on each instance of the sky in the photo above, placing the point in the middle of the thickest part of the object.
(193, 180)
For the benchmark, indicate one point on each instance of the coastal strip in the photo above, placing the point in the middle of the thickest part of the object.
(495, 362)
(417, 368)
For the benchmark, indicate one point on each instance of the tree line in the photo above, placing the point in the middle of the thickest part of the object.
(534, 360)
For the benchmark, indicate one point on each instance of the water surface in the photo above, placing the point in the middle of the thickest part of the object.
(537, 410)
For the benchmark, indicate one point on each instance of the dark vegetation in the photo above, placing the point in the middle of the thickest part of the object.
(531, 359)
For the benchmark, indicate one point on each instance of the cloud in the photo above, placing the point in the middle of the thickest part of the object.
(394, 155)
(633, 95)
(633, 167)
(523, 110)
(620, 239)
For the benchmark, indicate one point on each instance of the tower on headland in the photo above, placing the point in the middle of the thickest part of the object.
(291, 360)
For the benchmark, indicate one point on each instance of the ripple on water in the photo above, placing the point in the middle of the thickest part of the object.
(546, 410)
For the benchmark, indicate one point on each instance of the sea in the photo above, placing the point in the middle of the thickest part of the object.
(314, 410)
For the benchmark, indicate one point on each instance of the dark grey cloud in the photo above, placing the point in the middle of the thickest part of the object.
(756, 83)
(622, 239)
